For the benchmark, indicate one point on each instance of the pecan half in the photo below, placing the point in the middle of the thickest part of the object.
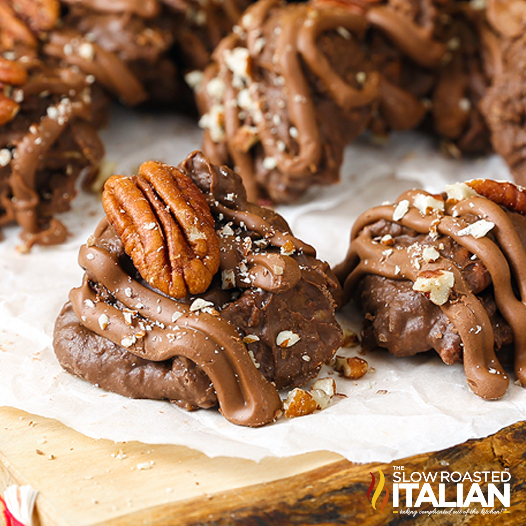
(507, 16)
(166, 228)
(8, 109)
(503, 193)
(12, 72)
(41, 15)
(12, 30)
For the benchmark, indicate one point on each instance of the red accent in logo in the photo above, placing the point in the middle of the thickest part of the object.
(371, 486)
(381, 485)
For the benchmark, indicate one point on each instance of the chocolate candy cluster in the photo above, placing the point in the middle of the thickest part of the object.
(192, 293)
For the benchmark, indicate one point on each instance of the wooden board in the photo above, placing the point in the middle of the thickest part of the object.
(86, 482)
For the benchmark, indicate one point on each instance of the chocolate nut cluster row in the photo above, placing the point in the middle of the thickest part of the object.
(287, 89)
(194, 294)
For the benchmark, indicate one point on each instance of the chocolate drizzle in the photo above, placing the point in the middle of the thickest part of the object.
(107, 68)
(135, 49)
(50, 134)
(501, 252)
(30, 149)
(245, 397)
(123, 45)
(199, 27)
(265, 273)
(415, 41)
(286, 64)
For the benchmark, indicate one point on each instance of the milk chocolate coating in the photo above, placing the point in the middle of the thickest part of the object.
(411, 26)
(431, 61)
(462, 81)
(402, 45)
(106, 364)
(504, 103)
(124, 46)
(505, 109)
(48, 145)
(305, 310)
(191, 357)
(198, 27)
(286, 85)
(483, 311)
(135, 49)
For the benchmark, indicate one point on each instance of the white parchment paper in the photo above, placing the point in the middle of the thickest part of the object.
(406, 406)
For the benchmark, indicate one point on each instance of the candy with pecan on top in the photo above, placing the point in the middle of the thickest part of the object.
(166, 228)
(192, 293)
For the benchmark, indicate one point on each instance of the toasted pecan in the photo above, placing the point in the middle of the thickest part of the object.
(8, 109)
(40, 15)
(353, 368)
(12, 72)
(166, 228)
(507, 16)
(506, 194)
(13, 30)
(299, 403)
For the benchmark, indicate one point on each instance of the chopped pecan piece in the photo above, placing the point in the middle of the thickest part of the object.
(166, 228)
(352, 368)
(299, 403)
(435, 284)
(327, 385)
(350, 339)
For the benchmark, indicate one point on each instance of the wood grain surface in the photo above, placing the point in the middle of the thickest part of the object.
(98, 482)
